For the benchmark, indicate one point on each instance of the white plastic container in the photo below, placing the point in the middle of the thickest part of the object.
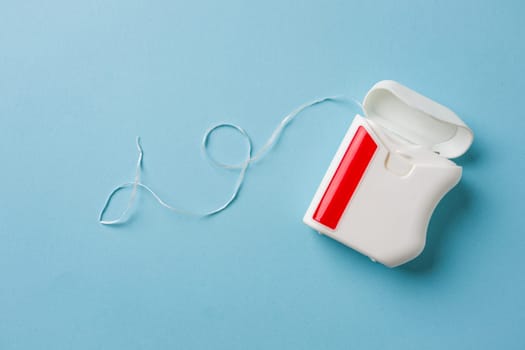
(389, 173)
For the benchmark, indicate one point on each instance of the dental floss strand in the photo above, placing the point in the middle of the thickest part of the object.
(242, 167)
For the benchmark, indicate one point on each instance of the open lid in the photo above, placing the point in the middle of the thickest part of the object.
(417, 119)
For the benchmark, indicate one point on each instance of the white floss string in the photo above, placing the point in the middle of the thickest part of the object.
(242, 167)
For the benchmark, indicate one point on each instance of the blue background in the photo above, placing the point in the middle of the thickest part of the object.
(78, 82)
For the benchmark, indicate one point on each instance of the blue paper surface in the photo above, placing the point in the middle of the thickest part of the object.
(80, 79)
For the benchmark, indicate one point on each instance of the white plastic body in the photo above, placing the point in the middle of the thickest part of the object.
(388, 214)
(389, 211)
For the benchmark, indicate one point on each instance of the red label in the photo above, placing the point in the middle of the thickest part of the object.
(345, 179)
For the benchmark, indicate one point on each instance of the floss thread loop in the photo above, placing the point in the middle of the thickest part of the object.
(242, 167)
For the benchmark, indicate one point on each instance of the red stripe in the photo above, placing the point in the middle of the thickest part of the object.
(345, 179)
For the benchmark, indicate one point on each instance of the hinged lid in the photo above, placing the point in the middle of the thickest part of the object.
(417, 119)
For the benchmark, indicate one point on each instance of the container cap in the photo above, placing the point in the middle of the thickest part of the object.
(417, 119)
